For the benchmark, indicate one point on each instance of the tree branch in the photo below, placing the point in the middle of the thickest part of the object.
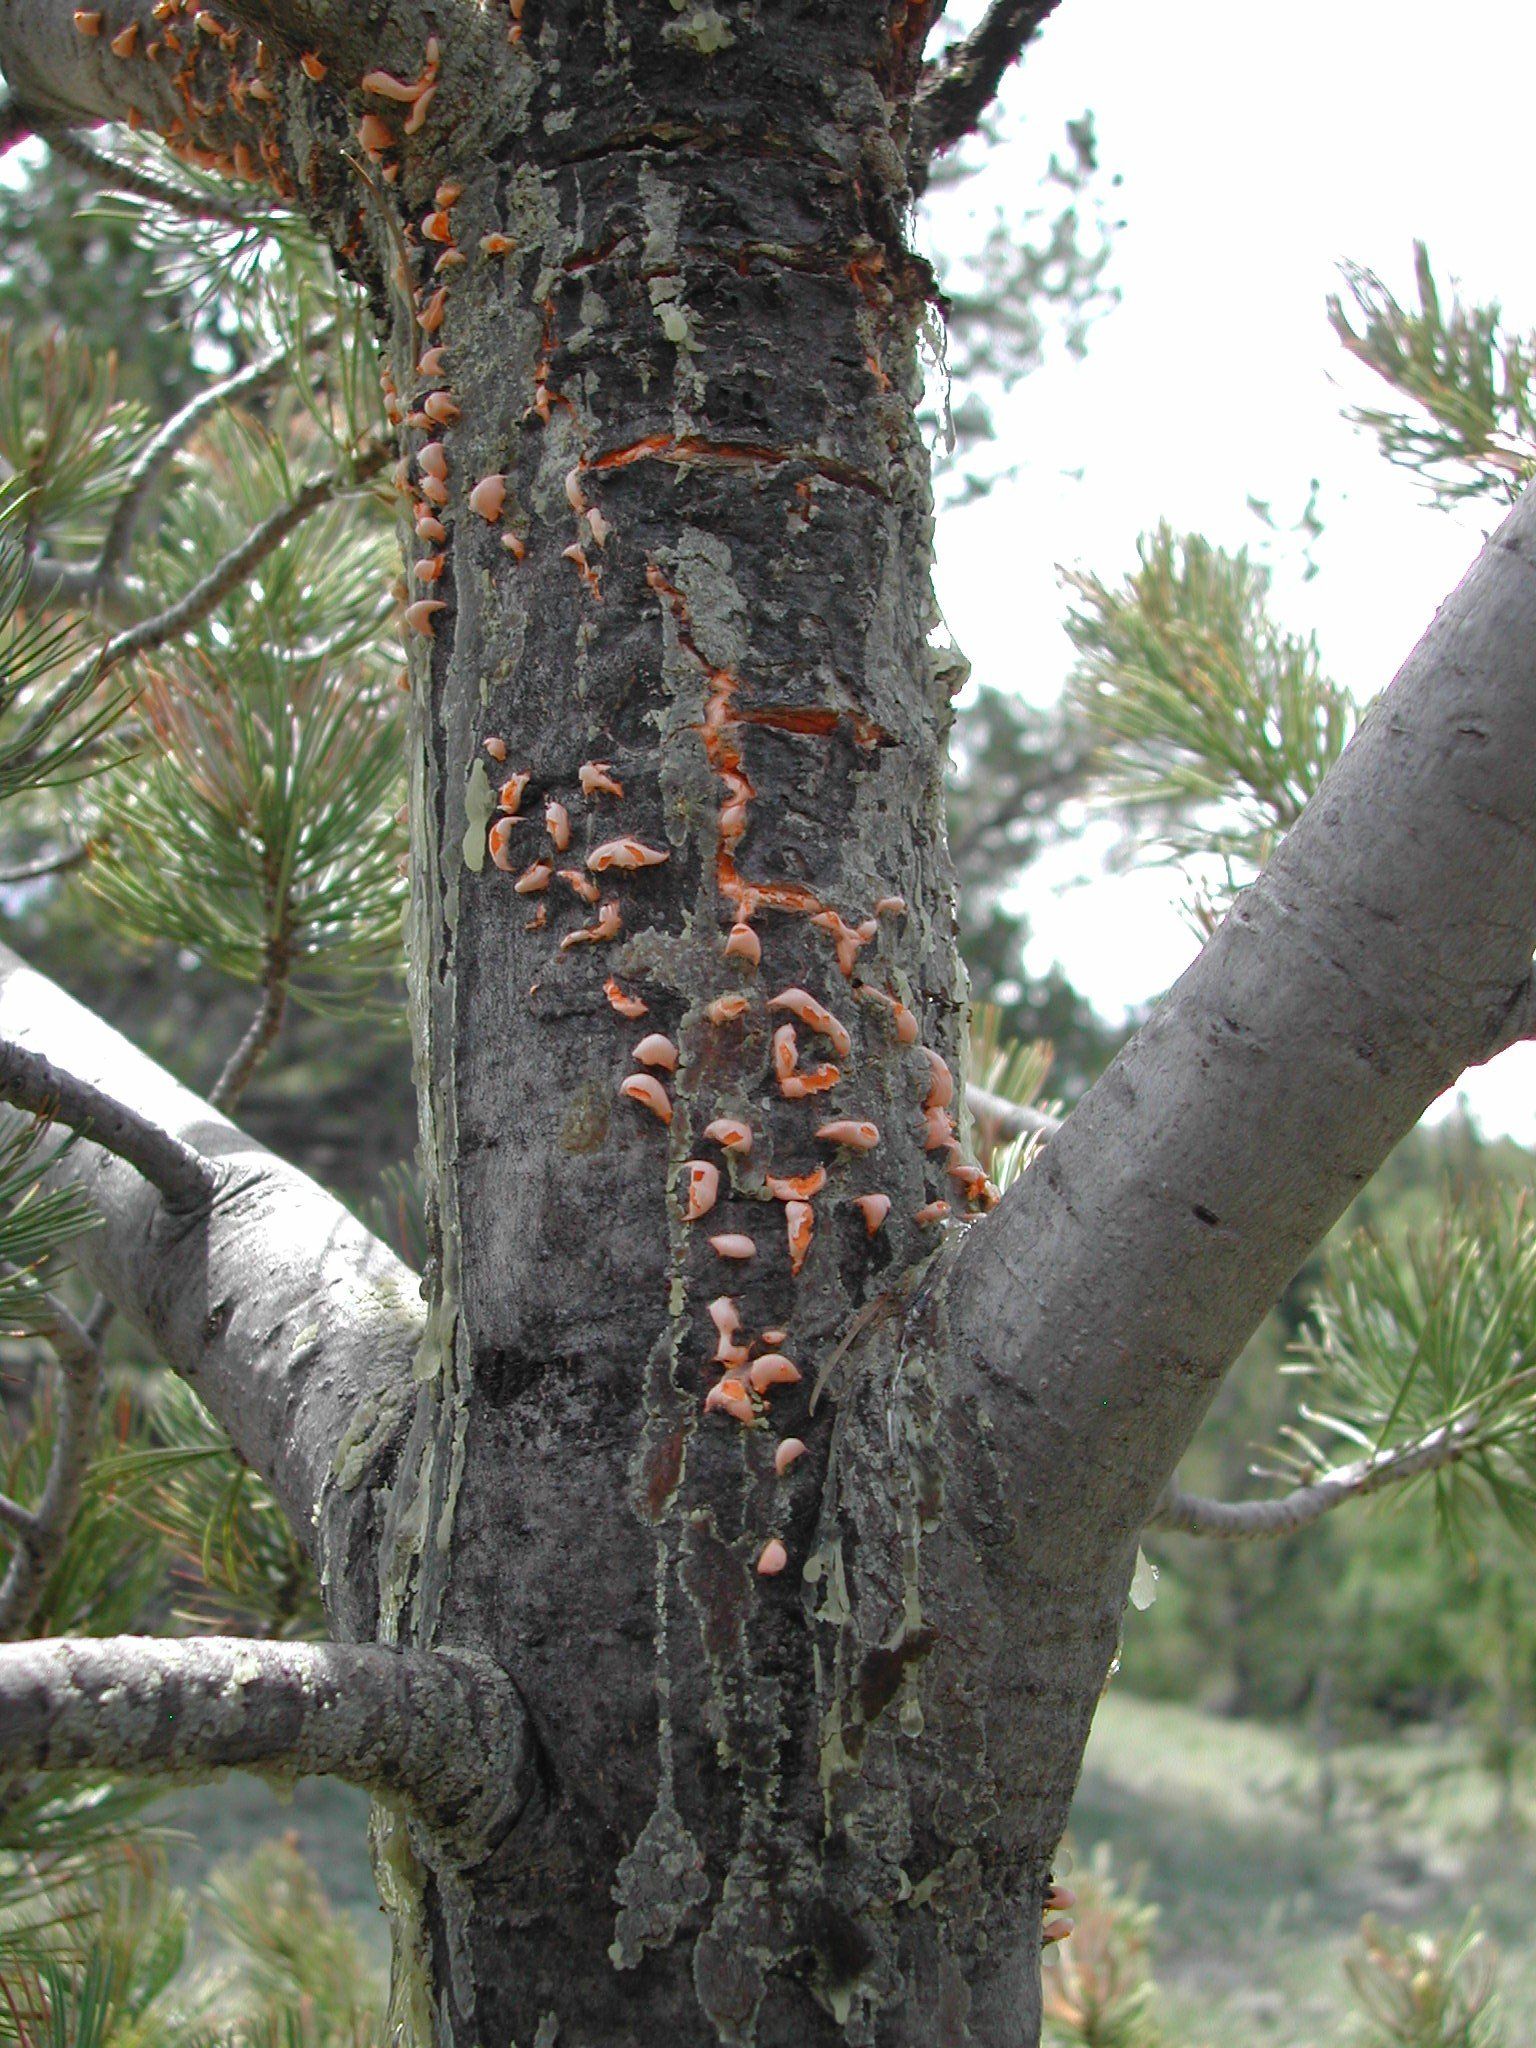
(441, 1729)
(259, 1034)
(194, 606)
(1193, 1514)
(28, 1081)
(161, 448)
(16, 124)
(295, 1326)
(1380, 952)
(41, 1543)
(121, 177)
(965, 82)
(1005, 1119)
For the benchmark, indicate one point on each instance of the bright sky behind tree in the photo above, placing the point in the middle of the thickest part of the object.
(1258, 149)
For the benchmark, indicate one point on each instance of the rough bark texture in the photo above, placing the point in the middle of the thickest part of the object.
(405, 1724)
(674, 529)
(767, 1810)
(295, 1325)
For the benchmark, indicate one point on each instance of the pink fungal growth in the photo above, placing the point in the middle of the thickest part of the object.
(649, 1093)
(431, 363)
(734, 1244)
(577, 554)
(726, 1009)
(847, 939)
(597, 779)
(499, 843)
(583, 885)
(440, 408)
(809, 1081)
(431, 316)
(775, 1339)
(772, 1559)
(385, 86)
(375, 134)
(627, 1006)
(510, 796)
(418, 616)
(799, 1222)
(609, 923)
(428, 528)
(733, 1397)
(856, 1136)
(598, 526)
(891, 906)
(433, 461)
(786, 1052)
(657, 1051)
(434, 490)
(743, 944)
(495, 245)
(437, 227)
(701, 1188)
(534, 880)
(874, 1209)
(730, 1134)
(624, 853)
(418, 113)
(557, 823)
(787, 1453)
(938, 1130)
(773, 1369)
(795, 1187)
(515, 545)
(125, 42)
(942, 1091)
(495, 747)
(488, 498)
(573, 492)
(931, 1212)
(723, 1314)
(87, 21)
(814, 1016)
(428, 570)
(449, 192)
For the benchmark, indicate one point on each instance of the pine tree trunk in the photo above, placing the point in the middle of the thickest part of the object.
(799, 1807)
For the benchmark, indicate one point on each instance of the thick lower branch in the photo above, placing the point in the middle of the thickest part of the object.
(441, 1729)
(294, 1324)
(1383, 949)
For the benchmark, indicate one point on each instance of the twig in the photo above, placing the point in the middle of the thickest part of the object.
(1009, 1119)
(194, 606)
(59, 864)
(130, 178)
(1244, 1521)
(37, 1553)
(950, 106)
(443, 1729)
(34, 1084)
(263, 1028)
(162, 446)
(225, 576)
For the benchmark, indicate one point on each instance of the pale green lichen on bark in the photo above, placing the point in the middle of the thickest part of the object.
(479, 808)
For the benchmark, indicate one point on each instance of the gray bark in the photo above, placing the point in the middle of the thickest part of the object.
(293, 1323)
(414, 1725)
(815, 1805)
(1379, 954)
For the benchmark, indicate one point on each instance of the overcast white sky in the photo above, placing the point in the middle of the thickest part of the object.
(1258, 148)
